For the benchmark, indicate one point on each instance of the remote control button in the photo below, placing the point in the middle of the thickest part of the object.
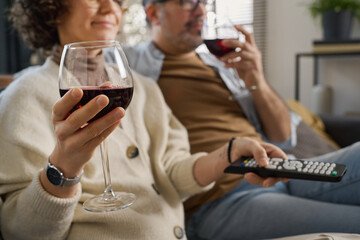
(270, 166)
(296, 164)
(288, 167)
(334, 173)
(278, 160)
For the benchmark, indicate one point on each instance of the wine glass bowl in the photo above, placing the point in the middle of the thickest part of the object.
(99, 67)
(215, 30)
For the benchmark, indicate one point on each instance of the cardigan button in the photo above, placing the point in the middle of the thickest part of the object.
(132, 151)
(178, 232)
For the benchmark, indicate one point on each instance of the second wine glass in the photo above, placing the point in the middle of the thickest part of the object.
(215, 30)
(99, 67)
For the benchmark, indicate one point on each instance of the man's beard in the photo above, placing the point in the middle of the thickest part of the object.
(187, 41)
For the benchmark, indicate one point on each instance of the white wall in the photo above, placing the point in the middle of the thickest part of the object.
(291, 30)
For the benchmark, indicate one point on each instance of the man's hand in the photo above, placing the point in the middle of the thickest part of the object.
(246, 59)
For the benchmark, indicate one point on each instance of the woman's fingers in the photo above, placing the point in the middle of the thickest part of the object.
(97, 140)
(95, 130)
(78, 118)
(252, 178)
(248, 147)
(273, 151)
(62, 107)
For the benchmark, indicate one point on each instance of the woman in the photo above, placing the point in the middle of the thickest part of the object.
(37, 127)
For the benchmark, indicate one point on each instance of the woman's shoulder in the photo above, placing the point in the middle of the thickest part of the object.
(31, 84)
(35, 76)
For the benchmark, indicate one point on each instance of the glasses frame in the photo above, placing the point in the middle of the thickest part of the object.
(187, 5)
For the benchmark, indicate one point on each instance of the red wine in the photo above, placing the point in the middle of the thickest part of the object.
(118, 97)
(216, 47)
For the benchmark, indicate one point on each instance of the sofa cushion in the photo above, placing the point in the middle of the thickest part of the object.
(312, 140)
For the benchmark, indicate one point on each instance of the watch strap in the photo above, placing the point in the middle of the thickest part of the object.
(63, 181)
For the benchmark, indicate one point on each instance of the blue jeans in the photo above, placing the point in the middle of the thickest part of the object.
(296, 207)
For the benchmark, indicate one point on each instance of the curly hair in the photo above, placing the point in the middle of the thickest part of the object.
(37, 21)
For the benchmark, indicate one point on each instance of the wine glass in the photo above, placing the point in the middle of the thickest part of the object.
(216, 29)
(99, 67)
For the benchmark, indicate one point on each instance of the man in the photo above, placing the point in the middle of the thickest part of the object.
(214, 106)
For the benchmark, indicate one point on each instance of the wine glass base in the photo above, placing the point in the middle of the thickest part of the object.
(120, 200)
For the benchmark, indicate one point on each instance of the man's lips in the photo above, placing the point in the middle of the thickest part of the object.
(196, 24)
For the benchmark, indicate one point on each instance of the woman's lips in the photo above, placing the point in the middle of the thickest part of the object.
(105, 24)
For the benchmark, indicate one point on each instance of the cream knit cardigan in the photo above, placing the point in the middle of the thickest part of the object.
(27, 139)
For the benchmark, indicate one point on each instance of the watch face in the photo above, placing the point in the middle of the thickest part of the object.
(54, 176)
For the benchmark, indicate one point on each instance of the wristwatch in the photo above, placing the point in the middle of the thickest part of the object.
(56, 177)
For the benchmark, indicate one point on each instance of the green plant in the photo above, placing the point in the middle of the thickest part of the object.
(317, 7)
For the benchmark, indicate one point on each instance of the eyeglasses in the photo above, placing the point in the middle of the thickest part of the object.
(187, 5)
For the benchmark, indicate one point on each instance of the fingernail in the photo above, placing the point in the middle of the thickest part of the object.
(75, 92)
(101, 101)
(265, 162)
(118, 113)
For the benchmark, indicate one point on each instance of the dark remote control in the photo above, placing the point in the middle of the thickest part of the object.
(290, 168)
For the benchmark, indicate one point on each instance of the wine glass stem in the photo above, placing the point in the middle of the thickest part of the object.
(108, 192)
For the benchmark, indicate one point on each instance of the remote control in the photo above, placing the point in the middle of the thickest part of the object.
(290, 168)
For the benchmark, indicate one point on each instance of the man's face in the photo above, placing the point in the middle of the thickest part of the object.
(180, 27)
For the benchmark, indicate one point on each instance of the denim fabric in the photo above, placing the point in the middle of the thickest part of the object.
(296, 207)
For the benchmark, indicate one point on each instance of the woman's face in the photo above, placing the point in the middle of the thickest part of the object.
(90, 20)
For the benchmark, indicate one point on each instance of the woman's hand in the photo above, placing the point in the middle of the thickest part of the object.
(261, 152)
(77, 139)
(211, 167)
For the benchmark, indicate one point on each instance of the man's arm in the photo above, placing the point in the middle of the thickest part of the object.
(273, 112)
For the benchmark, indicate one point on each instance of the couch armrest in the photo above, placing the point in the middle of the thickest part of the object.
(345, 130)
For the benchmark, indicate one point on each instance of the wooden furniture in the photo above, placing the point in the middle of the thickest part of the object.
(316, 57)
(5, 80)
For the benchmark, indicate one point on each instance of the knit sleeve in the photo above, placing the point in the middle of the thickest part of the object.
(38, 214)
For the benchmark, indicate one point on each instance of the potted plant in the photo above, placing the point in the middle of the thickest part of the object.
(337, 17)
